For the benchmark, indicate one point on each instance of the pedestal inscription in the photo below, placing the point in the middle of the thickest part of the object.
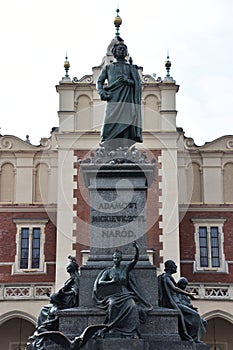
(117, 206)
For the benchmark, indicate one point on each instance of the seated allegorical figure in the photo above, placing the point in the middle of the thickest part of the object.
(186, 300)
(116, 292)
(189, 320)
(65, 298)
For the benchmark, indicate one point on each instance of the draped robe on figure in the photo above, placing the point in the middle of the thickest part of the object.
(125, 307)
(189, 321)
(123, 111)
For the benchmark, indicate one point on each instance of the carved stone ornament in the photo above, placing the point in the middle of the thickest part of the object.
(121, 155)
(45, 143)
(229, 144)
(149, 79)
(84, 79)
(6, 143)
(189, 143)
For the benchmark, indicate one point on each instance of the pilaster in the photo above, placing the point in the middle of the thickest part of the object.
(66, 111)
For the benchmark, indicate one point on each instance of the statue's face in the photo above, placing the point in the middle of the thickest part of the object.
(70, 268)
(183, 283)
(116, 258)
(171, 266)
(120, 51)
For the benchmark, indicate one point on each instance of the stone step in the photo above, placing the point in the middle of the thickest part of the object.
(160, 332)
(134, 344)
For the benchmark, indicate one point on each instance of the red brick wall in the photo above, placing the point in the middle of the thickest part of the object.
(187, 247)
(81, 208)
(8, 248)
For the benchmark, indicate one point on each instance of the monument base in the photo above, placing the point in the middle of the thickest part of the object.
(118, 199)
(139, 344)
(160, 332)
(119, 344)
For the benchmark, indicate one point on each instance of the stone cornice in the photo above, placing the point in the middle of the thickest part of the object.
(27, 209)
(206, 208)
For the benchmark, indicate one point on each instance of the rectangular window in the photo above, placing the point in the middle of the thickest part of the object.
(36, 248)
(209, 246)
(214, 246)
(24, 248)
(209, 240)
(203, 246)
(30, 240)
(30, 248)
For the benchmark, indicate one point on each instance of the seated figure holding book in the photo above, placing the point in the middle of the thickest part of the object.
(116, 292)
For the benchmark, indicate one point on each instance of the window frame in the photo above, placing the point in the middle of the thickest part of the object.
(29, 224)
(209, 223)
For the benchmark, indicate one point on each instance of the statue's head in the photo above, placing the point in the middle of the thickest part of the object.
(182, 283)
(170, 265)
(117, 257)
(120, 50)
(73, 265)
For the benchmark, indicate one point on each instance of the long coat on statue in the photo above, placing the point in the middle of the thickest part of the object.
(123, 110)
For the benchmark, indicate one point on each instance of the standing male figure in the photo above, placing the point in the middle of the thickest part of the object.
(122, 125)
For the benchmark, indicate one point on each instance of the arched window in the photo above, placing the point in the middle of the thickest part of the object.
(194, 183)
(14, 333)
(218, 334)
(228, 182)
(83, 113)
(151, 117)
(7, 183)
(41, 183)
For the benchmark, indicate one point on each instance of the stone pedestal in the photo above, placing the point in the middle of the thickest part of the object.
(117, 208)
(160, 332)
(118, 195)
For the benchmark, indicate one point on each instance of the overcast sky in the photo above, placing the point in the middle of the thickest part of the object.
(35, 35)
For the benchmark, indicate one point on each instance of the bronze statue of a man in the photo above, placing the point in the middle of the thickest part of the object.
(122, 125)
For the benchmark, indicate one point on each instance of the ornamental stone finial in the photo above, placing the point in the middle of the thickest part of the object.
(67, 67)
(168, 66)
(117, 22)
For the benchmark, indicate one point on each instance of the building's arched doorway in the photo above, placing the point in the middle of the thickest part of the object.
(14, 333)
(219, 334)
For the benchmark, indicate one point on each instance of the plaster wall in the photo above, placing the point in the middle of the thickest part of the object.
(65, 213)
(169, 210)
(212, 180)
(24, 179)
(30, 309)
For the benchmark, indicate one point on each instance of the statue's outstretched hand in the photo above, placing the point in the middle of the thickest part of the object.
(192, 296)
